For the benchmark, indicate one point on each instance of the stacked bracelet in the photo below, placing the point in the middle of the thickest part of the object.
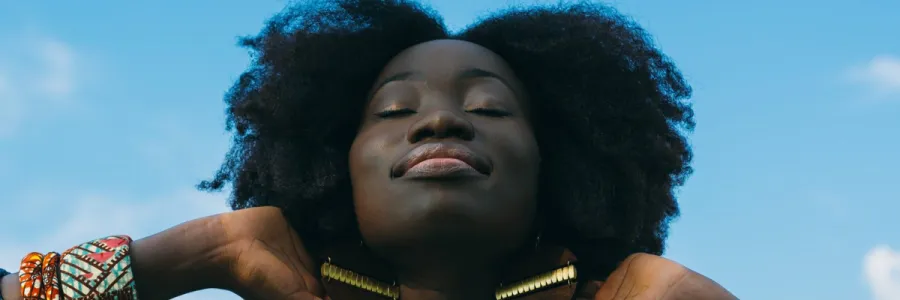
(30, 276)
(99, 269)
(50, 276)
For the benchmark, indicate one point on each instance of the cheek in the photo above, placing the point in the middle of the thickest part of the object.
(517, 150)
(516, 160)
(369, 154)
(371, 157)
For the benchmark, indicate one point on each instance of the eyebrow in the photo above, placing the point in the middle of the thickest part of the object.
(480, 73)
(468, 73)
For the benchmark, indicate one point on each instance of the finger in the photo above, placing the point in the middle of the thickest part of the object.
(294, 296)
(588, 290)
(300, 250)
(303, 296)
(641, 276)
(621, 283)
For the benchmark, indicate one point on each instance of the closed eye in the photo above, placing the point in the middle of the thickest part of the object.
(395, 113)
(489, 112)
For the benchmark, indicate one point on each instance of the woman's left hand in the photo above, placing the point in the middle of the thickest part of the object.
(645, 276)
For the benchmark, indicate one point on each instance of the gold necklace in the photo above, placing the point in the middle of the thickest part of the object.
(561, 276)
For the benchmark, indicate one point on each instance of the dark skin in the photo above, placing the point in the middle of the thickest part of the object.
(254, 253)
(440, 232)
(447, 236)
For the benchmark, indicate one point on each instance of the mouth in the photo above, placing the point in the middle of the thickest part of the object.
(441, 161)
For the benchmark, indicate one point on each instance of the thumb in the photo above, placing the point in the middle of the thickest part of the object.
(303, 296)
(588, 290)
(621, 285)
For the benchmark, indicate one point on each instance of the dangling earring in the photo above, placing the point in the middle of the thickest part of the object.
(537, 240)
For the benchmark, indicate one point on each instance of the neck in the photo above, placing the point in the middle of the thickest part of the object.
(444, 277)
(444, 274)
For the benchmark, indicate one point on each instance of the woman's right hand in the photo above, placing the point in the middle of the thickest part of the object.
(267, 258)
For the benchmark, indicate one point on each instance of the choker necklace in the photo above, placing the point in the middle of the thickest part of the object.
(564, 275)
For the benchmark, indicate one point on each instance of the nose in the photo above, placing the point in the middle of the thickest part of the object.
(441, 124)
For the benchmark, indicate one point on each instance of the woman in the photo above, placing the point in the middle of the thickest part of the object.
(375, 155)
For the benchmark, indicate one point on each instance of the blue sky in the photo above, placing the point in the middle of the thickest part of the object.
(110, 112)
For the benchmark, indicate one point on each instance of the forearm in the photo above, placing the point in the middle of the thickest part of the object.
(9, 287)
(185, 258)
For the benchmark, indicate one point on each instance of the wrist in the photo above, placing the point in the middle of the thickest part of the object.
(9, 287)
(183, 259)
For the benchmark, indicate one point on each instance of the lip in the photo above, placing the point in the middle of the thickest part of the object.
(441, 160)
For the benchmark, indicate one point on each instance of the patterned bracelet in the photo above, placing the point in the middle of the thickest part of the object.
(50, 276)
(30, 276)
(99, 269)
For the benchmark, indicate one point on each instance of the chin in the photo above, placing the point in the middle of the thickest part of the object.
(446, 230)
(445, 220)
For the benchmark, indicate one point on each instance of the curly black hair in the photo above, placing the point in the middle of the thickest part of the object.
(612, 114)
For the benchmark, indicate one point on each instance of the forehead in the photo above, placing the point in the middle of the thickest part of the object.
(444, 58)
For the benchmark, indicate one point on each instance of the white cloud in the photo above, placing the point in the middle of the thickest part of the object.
(881, 74)
(881, 267)
(91, 216)
(10, 108)
(35, 72)
(58, 80)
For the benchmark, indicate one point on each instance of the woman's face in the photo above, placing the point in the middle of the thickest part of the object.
(445, 155)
